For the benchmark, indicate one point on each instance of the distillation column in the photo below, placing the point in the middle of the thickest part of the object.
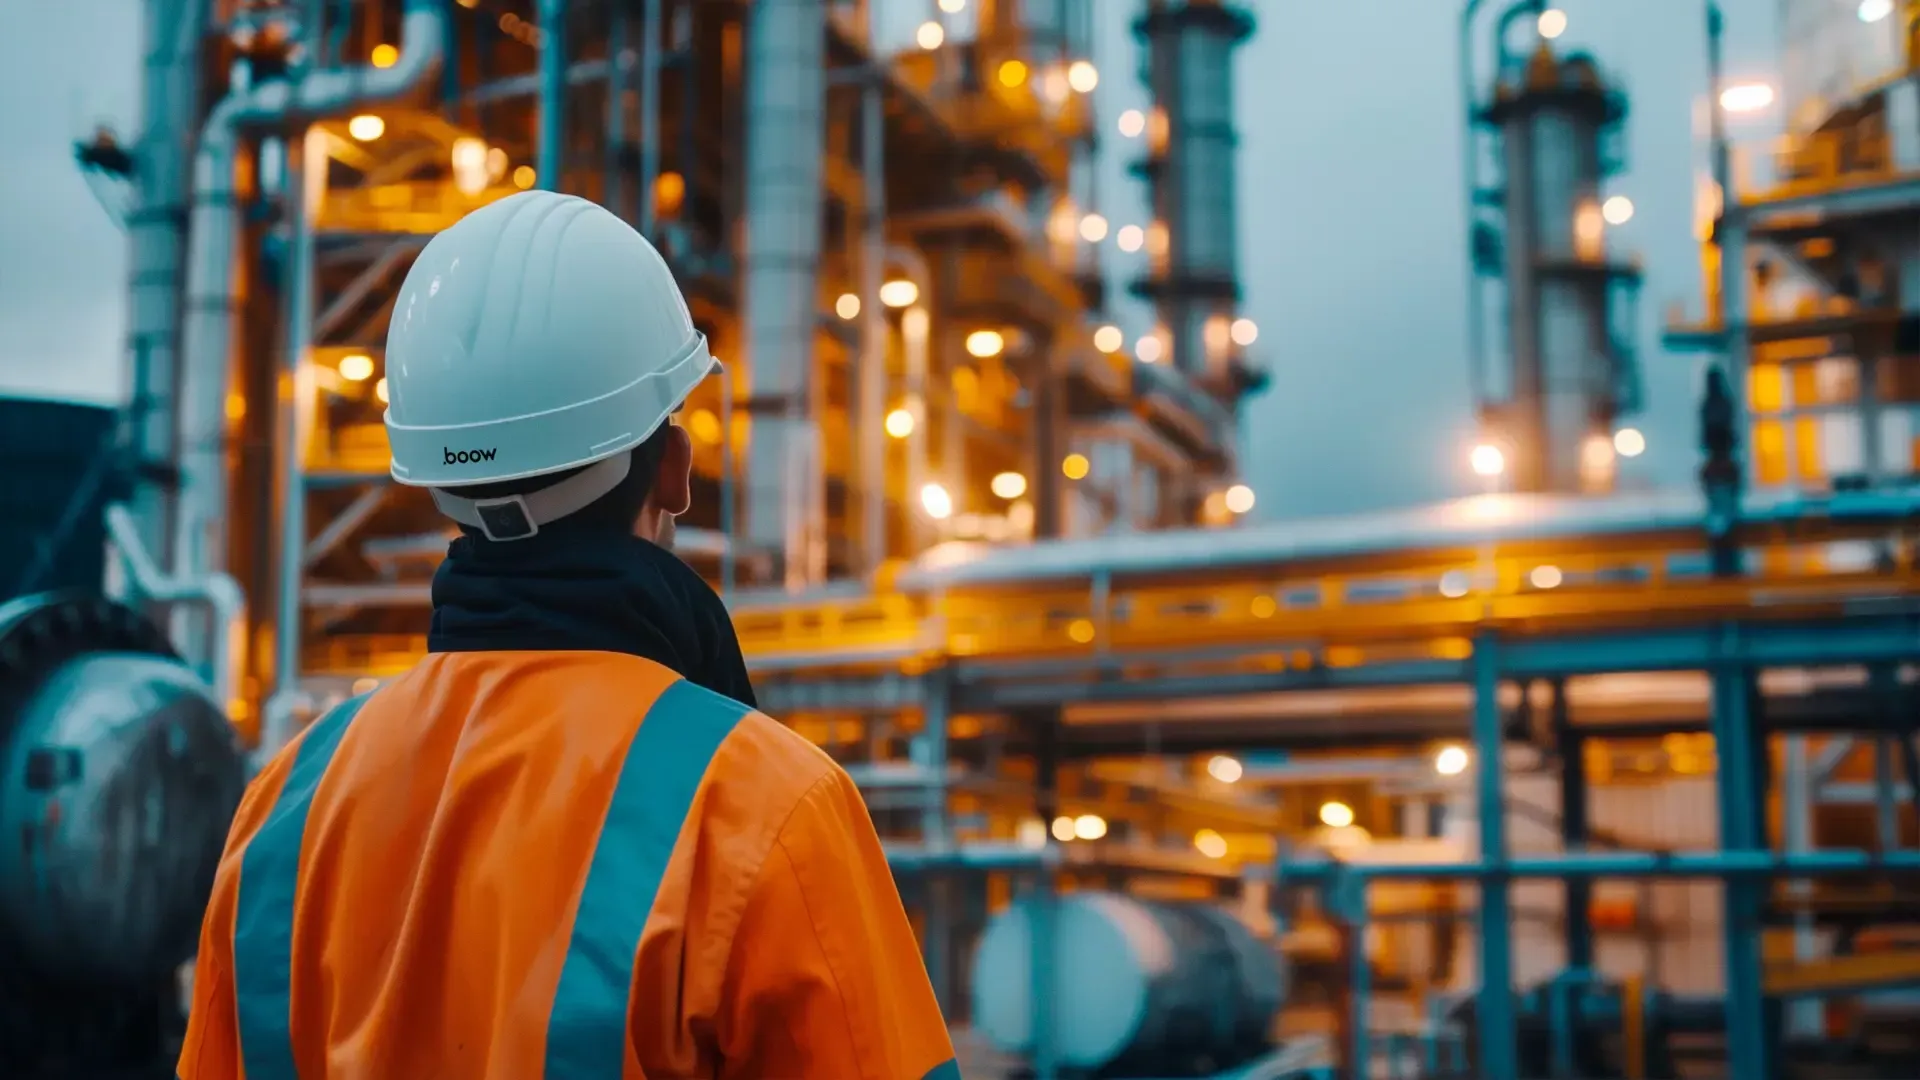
(1568, 374)
(1195, 276)
(785, 132)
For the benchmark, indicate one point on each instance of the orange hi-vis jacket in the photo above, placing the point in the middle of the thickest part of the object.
(569, 865)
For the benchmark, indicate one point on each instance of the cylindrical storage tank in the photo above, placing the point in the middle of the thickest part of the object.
(59, 479)
(1141, 988)
(119, 778)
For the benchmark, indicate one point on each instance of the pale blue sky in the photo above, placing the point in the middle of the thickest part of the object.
(1351, 208)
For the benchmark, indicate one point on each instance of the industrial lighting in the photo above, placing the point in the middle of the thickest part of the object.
(1239, 498)
(1210, 843)
(1089, 826)
(356, 367)
(953, 7)
(1132, 123)
(470, 173)
(523, 177)
(930, 35)
(1628, 442)
(1055, 86)
(1012, 73)
(1545, 577)
(380, 391)
(1450, 761)
(900, 423)
(936, 502)
(1081, 631)
(384, 56)
(899, 293)
(1063, 829)
(1487, 460)
(1130, 237)
(1009, 485)
(847, 307)
(1746, 97)
(1336, 815)
(1224, 769)
(1083, 76)
(1453, 584)
(1245, 332)
(1109, 339)
(1618, 210)
(1093, 228)
(1147, 350)
(703, 425)
(985, 343)
(1031, 834)
(1872, 11)
(1552, 23)
(366, 127)
(1075, 466)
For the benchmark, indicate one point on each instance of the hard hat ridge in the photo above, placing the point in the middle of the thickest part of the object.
(537, 335)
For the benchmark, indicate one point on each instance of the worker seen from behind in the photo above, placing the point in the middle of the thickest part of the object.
(564, 845)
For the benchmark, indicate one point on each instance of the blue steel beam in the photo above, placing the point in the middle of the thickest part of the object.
(1612, 864)
(1862, 638)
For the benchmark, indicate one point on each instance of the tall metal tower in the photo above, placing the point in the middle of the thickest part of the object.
(1194, 250)
(1549, 390)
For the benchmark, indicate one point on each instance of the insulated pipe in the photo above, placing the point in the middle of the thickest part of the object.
(199, 533)
(219, 592)
(785, 111)
(157, 246)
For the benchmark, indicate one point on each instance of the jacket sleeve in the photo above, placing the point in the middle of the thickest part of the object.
(824, 980)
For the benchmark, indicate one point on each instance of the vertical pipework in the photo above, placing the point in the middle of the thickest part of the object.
(873, 336)
(649, 112)
(212, 308)
(157, 233)
(553, 94)
(785, 127)
(1190, 74)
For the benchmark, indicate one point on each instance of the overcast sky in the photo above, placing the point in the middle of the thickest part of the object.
(1351, 206)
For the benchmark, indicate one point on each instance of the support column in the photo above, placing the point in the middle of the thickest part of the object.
(1044, 727)
(1494, 1012)
(1749, 1043)
(553, 94)
(1574, 832)
(936, 833)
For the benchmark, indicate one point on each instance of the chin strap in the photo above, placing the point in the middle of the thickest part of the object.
(516, 517)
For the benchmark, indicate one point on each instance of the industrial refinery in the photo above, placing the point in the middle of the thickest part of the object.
(1568, 778)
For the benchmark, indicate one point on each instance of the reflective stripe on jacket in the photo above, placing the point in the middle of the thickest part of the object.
(571, 865)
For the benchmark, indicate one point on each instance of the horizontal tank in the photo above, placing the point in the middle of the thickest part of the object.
(119, 777)
(1142, 988)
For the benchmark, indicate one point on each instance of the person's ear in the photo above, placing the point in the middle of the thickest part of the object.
(673, 484)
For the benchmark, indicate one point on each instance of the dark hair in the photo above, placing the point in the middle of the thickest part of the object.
(616, 509)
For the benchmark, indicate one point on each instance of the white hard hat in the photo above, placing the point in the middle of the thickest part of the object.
(538, 334)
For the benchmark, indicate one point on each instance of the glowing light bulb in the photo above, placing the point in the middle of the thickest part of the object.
(366, 127)
(356, 367)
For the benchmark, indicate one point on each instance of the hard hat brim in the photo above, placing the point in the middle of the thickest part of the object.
(494, 451)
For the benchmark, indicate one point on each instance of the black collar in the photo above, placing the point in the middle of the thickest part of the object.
(586, 589)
